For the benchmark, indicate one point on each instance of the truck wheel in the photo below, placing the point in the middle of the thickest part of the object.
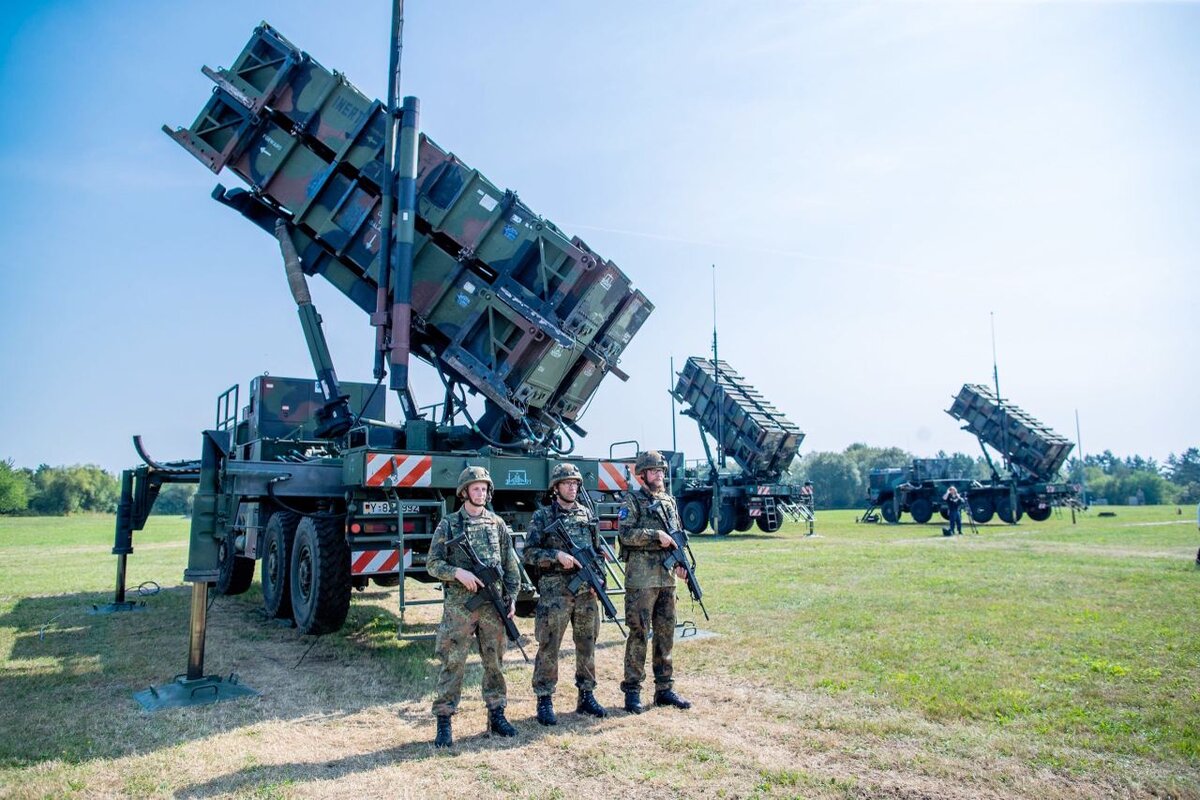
(1039, 513)
(921, 510)
(889, 514)
(982, 509)
(765, 527)
(695, 516)
(724, 526)
(945, 514)
(743, 521)
(276, 564)
(320, 576)
(1005, 511)
(234, 573)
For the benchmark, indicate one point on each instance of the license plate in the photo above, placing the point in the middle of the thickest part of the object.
(386, 507)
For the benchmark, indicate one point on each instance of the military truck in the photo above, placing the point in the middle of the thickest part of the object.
(309, 479)
(1032, 455)
(916, 490)
(748, 429)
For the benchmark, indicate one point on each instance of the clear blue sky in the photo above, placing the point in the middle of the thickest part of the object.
(872, 181)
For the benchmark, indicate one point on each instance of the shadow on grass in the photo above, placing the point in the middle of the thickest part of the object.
(68, 678)
(469, 736)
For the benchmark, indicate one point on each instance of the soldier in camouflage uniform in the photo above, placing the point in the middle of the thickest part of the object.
(648, 515)
(563, 524)
(492, 542)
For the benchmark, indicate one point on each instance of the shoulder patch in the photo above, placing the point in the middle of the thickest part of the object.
(623, 514)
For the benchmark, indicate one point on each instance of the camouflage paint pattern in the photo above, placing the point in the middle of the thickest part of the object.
(557, 605)
(1028, 444)
(753, 432)
(492, 542)
(507, 302)
(649, 587)
(287, 407)
(649, 610)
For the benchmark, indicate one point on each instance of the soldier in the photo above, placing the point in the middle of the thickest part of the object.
(648, 515)
(492, 542)
(563, 524)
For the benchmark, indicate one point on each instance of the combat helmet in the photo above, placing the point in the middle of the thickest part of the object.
(650, 459)
(565, 472)
(474, 474)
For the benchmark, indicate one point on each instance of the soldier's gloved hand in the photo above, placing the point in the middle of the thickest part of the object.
(568, 561)
(468, 579)
(665, 540)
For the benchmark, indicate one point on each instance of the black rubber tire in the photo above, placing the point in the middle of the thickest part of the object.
(921, 510)
(276, 564)
(1038, 514)
(945, 514)
(766, 528)
(694, 516)
(982, 509)
(889, 513)
(234, 573)
(728, 518)
(320, 576)
(1005, 511)
(742, 521)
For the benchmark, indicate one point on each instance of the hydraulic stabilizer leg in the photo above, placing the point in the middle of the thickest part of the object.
(194, 687)
(123, 544)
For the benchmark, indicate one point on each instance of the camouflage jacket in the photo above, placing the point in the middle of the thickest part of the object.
(638, 535)
(573, 524)
(492, 541)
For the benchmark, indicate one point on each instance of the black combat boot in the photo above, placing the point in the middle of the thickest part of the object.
(545, 712)
(588, 705)
(498, 724)
(445, 737)
(633, 702)
(666, 697)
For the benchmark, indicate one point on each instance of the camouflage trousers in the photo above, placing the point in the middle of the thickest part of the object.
(557, 607)
(647, 609)
(459, 626)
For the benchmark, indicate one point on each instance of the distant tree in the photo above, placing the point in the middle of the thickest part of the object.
(14, 488)
(67, 490)
(836, 480)
(1184, 472)
(175, 499)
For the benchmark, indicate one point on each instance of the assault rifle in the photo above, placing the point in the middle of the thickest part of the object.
(490, 576)
(679, 555)
(589, 572)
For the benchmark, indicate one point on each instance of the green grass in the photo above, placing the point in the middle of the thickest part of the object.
(1070, 647)
(1068, 635)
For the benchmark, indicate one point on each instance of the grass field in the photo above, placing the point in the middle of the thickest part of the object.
(1040, 660)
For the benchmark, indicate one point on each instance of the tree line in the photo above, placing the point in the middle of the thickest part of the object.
(841, 479)
(57, 491)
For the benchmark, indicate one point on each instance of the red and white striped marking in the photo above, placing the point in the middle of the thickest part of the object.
(616, 476)
(388, 470)
(764, 490)
(374, 562)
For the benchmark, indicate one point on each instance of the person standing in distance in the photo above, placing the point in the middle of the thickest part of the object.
(563, 524)
(491, 539)
(954, 503)
(649, 514)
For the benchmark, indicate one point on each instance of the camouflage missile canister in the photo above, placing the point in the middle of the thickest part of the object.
(503, 300)
(1026, 443)
(753, 432)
